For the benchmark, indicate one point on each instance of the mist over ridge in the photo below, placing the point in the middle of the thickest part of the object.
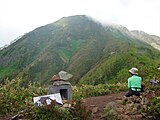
(94, 53)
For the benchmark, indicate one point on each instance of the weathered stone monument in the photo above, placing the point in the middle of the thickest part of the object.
(61, 85)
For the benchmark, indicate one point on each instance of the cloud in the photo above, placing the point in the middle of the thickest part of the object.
(21, 16)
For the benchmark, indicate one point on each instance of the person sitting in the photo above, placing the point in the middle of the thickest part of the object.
(134, 83)
(154, 82)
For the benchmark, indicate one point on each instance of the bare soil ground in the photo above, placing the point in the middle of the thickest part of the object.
(97, 105)
(100, 102)
(5, 117)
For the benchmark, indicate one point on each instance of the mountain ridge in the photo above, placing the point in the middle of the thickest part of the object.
(79, 45)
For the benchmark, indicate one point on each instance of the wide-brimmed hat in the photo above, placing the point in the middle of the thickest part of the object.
(134, 71)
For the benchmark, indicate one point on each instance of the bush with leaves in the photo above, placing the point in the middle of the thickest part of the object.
(49, 112)
(54, 112)
(110, 114)
(154, 108)
(15, 98)
(85, 91)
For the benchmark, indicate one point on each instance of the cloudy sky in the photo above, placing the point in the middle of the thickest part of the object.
(18, 17)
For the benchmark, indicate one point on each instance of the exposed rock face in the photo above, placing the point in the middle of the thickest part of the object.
(152, 40)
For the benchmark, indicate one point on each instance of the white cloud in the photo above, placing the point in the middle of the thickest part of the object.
(20, 16)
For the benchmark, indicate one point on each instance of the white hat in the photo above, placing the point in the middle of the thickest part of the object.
(134, 71)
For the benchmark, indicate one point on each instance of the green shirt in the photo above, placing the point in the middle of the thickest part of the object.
(134, 83)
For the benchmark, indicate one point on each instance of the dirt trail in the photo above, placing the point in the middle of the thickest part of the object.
(97, 105)
(100, 102)
(92, 102)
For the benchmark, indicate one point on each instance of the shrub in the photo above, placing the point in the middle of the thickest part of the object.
(76, 112)
(49, 112)
(15, 98)
(154, 108)
(110, 114)
(84, 91)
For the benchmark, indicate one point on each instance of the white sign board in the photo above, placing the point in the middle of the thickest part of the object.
(47, 99)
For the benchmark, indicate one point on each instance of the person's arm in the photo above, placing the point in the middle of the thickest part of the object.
(129, 83)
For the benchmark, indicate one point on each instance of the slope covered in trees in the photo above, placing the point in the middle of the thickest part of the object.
(93, 53)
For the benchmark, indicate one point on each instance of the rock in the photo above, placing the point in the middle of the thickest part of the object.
(64, 101)
(158, 97)
(66, 105)
(125, 117)
(150, 117)
(124, 98)
(120, 110)
(119, 101)
(137, 106)
(144, 107)
(95, 110)
(83, 100)
(134, 111)
(92, 105)
(126, 112)
(144, 114)
(111, 104)
(128, 108)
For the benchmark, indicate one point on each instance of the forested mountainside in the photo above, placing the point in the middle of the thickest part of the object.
(92, 52)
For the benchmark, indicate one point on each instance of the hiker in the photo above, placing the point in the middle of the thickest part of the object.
(154, 82)
(134, 83)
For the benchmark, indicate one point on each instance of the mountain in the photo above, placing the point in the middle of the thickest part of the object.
(153, 40)
(92, 52)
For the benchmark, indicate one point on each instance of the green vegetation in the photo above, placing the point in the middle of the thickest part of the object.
(153, 106)
(84, 91)
(16, 99)
(93, 53)
(109, 114)
(7, 71)
(115, 67)
(98, 56)
(59, 113)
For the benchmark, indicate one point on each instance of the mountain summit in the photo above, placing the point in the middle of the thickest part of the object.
(92, 52)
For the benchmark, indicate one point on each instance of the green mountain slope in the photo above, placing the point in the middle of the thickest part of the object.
(115, 67)
(93, 53)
